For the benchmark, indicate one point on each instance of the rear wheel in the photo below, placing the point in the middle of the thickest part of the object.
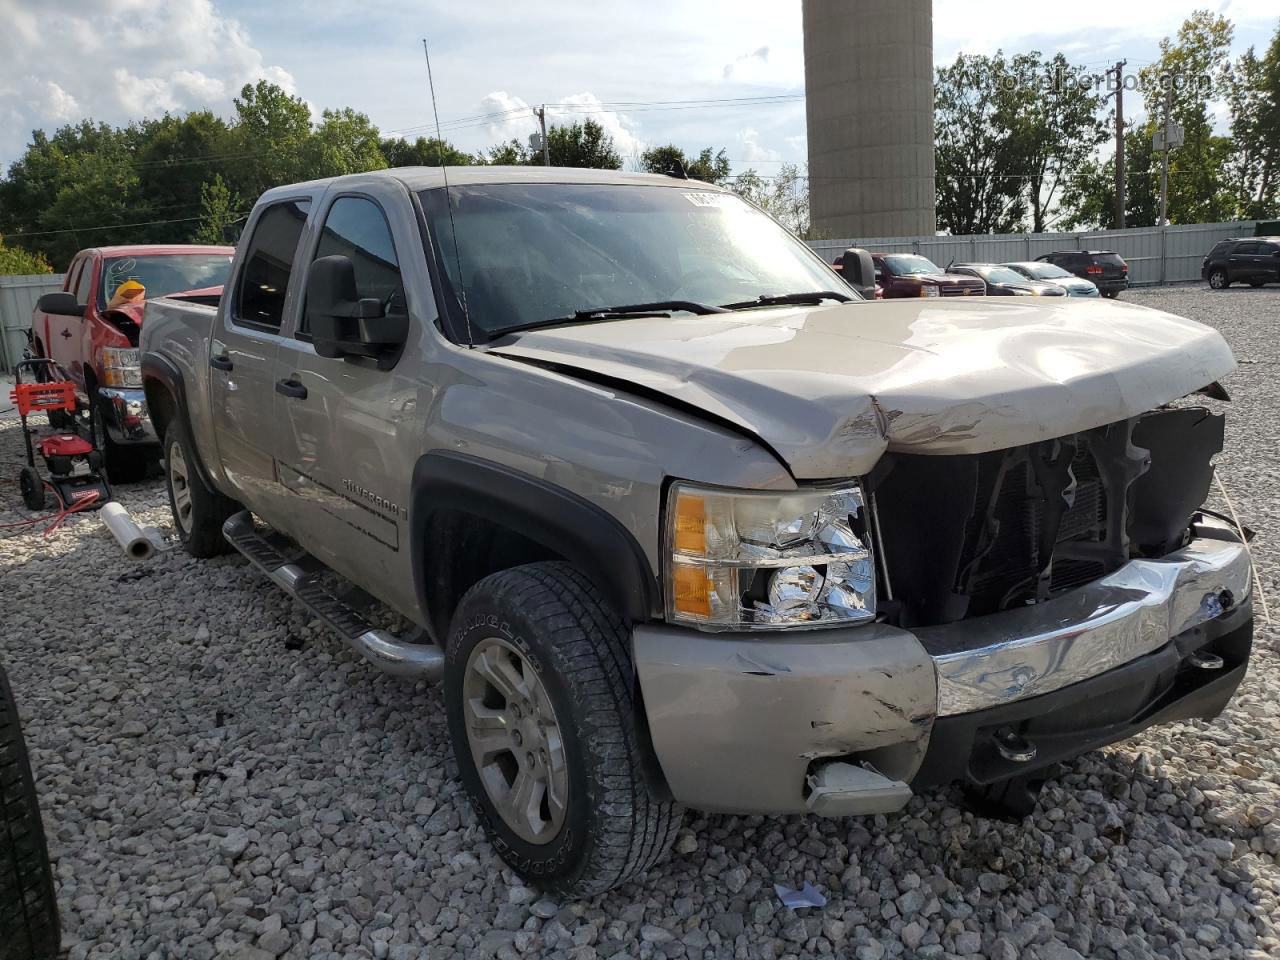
(1111, 294)
(538, 686)
(1218, 279)
(32, 488)
(28, 905)
(198, 510)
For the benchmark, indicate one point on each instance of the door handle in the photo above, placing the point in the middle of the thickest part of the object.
(291, 388)
(67, 334)
(221, 363)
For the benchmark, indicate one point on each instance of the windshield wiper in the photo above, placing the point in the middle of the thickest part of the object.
(781, 299)
(659, 308)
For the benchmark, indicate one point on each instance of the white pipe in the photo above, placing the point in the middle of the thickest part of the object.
(137, 545)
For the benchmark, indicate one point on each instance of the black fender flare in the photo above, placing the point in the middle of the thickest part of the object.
(158, 367)
(576, 529)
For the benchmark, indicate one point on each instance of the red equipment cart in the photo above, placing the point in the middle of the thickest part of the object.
(74, 463)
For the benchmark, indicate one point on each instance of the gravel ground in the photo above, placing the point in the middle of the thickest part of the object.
(220, 778)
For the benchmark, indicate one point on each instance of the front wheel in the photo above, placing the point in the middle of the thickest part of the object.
(539, 692)
(1218, 279)
(123, 463)
(198, 510)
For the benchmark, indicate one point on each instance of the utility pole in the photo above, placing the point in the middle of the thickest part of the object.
(1119, 72)
(541, 114)
(1164, 156)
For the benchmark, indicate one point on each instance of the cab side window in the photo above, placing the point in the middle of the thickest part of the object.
(268, 264)
(356, 228)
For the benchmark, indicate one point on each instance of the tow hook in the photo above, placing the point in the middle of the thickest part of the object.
(1203, 660)
(1013, 746)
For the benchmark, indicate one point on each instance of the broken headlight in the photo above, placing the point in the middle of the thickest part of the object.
(767, 561)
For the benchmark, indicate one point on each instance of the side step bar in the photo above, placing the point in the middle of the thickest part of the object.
(301, 580)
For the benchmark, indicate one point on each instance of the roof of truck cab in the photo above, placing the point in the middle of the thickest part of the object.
(159, 249)
(425, 178)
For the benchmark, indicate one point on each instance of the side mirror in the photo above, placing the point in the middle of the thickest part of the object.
(859, 271)
(60, 304)
(343, 323)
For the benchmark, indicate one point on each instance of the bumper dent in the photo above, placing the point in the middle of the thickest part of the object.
(989, 661)
(839, 722)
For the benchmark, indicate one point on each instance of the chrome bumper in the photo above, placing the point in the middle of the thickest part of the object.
(125, 413)
(989, 661)
(752, 723)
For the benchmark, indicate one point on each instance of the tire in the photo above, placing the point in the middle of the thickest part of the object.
(32, 488)
(546, 629)
(123, 463)
(28, 904)
(198, 510)
(1218, 279)
(1111, 294)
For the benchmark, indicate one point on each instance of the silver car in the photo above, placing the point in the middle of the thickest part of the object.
(1047, 272)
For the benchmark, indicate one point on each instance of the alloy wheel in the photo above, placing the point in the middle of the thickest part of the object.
(180, 485)
(515, 740)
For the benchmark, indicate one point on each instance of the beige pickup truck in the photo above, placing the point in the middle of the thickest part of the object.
(680, 519)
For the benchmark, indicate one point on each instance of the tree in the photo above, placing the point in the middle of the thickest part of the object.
(1188, 71)
(584, 144)
(707, 166)
(173, 157)
(345, 142)
(1089, 198)
(219, 211)
(1253, 168)
(784, 196)
(423, 152)
(271, 130)
(16, 260)
(978, 175)
(513, 153)
(1054, 123)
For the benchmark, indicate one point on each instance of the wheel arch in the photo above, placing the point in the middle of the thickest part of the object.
(538, 519)
(166, 394)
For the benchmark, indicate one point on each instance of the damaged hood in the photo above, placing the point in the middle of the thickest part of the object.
(829, 389)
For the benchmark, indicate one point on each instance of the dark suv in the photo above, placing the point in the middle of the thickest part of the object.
(1106, 269)
(1254, 261)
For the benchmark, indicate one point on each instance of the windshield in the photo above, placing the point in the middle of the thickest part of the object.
(1001, 275)
(163, 274)
(910, 263)
(1042, 271)
(533, 252)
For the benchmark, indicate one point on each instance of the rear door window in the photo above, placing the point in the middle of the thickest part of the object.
(356, 228)
(268, 265)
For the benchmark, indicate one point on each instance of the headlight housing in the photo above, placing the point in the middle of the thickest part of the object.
(740, 560)
(929, 290)
(121, 367)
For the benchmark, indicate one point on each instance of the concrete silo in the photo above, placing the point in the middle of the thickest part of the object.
(868, 68)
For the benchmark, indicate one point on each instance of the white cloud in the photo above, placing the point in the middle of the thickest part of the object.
(564, 110)
(760, 55)
(751, 149)
(617, 125)
(118, 61)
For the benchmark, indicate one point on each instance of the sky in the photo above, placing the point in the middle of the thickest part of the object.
(122, 60)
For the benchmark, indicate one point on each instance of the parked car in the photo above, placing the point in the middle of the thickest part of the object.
(1254, 261)
(1004, 282)
(1048, 273)
(911, 275)
(91, 330)
(655, 515)
(1103, 268)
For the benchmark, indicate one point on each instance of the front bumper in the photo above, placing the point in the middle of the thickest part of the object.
(744, 723)
(124, 412)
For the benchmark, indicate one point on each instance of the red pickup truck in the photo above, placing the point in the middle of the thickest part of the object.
(91, 329)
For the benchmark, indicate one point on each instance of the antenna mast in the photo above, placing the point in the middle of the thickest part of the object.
(448, 197)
